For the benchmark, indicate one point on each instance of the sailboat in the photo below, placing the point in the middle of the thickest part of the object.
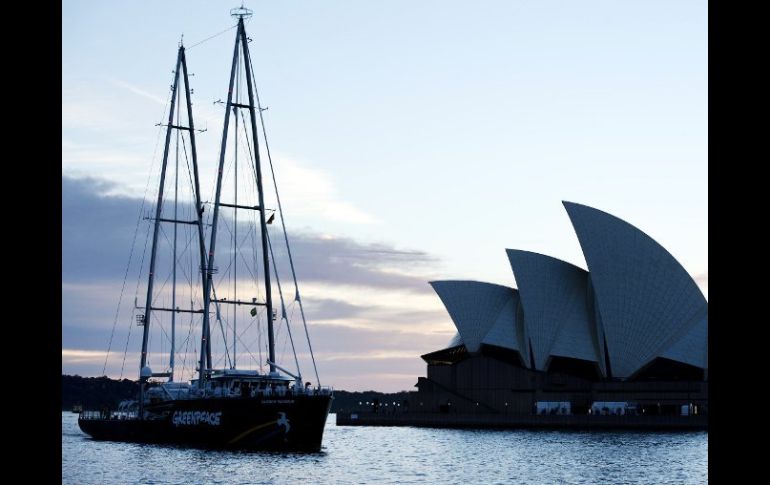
(223, 406)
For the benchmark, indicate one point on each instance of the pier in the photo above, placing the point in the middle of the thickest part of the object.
(498, 421)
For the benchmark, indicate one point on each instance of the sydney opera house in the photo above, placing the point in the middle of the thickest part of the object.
(627, 337)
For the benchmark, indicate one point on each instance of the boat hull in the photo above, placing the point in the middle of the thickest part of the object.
(291, 423)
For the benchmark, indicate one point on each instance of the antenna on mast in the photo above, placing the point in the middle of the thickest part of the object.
(241, 12)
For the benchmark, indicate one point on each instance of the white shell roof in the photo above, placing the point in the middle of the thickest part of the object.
(476, 308)
(645, 297)
(691, 349)
(636, 297)
(554, 299)
(503, 331)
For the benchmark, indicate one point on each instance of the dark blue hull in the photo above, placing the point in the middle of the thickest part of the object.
(291, 423)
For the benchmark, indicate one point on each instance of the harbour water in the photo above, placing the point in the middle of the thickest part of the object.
(403, 455)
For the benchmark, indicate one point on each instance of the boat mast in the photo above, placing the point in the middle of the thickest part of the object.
(263, 225)
(173, 251)
(144, 372)
(235, 218)
(241, 41)
(205, 356)
(143, 375)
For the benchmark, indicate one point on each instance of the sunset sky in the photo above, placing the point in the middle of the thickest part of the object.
(413, 141)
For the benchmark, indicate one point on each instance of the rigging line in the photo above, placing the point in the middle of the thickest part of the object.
(181, 255)
(235, 250)
(136, 291)
(237, 246)
(191, 323)
(226, 272)
(254, 222)
(252, 357)
(162, 351)
(219, 319)
(188, 232)
(141, 263)
(244, 342)
(283, 305)
(259, 346)
(243, 258)
(282, 352)
(254, 170)
(252, 229)
(130, 327)
(162, 116)
(209, 38)
(159, 324)
(246, 263)
(184, 251)
(255, 259)
(165, 282)
(149, 352)
(283, 223)
(187, 346)
(252, 225)
(120, 299)
(133, 241)
(189, 173)
(242, 334)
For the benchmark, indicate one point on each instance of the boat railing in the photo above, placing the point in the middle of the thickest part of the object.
(312, 391)
(325, 390)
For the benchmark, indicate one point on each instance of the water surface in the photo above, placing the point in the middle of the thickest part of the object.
(403, 455)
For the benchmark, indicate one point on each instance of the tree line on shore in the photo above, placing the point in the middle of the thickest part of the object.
(99, 392)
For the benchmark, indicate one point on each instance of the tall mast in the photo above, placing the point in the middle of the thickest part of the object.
(144, 374)
(233, 107)
(198, 202)
(158, 209)
(173, 252)
(205, 336)
(235, 220)
(263, 225)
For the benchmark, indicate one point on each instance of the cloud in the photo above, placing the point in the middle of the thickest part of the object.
(140, 92)
(76, 356)
(100, 142)
(311, 193)
(702, 280)
(348, 358)
(346, 261)
(368, 304)
(98, 229)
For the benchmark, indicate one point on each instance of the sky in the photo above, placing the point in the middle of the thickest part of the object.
(412, 141)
